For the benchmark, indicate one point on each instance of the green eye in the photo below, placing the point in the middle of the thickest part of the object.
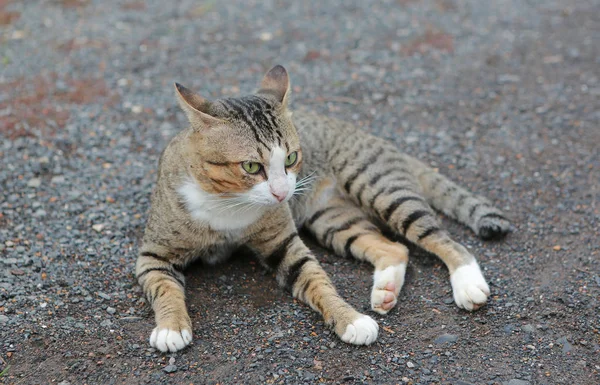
(251, 167)
(291, 159)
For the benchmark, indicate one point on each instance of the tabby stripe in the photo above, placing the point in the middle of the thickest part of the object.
(330, 233)
(294, 271)
(342, 165)
(155, 292)
(274, 260)
(267, 117)
(412, 218)
(268, 112)
(375, 178)
(396, 204)
(304, 288)
(474, 208)
(155, 256)
(221, 182)
(220, 164)
(458, 205)
(165, 270)
(437, 179)
(319, 214)
(352, 150)
(461, 200)
(377, 194)
(390, 190)
(361, 189)
(369, 162)
(238, 104)
(493, 215)
(449, 191)
(260, 120)
(428, 232)
(349, 242)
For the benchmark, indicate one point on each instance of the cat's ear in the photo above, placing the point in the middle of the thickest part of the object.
(196, 108)
(277, 83)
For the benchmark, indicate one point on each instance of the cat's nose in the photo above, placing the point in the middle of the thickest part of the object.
(279, 196)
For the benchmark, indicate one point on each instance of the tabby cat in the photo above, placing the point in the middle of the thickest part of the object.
(246, 173)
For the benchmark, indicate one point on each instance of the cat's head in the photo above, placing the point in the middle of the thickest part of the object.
(245, 147)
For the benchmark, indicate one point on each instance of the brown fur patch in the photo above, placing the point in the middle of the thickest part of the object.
(223, 179)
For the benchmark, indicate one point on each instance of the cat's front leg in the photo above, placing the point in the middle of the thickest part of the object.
(282, 250)
(163, 285)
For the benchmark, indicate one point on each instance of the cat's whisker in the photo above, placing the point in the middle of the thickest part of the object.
(306, 180)
(231, 206)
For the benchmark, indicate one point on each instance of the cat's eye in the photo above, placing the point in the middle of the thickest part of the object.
(291, 159)
(251, 167)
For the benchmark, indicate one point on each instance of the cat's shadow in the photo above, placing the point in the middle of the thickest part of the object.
(242, 283)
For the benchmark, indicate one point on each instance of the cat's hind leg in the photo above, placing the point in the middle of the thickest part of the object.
(395, 196)
(342, 226)
(412, 217)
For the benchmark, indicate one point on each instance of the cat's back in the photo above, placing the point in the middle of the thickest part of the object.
(312, 124)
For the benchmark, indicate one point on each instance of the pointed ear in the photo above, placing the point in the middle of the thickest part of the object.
(277, 83)
(196, 108)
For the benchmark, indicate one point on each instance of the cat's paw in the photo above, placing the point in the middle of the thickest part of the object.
(469, 287)
(362, 331)
(168, 340)
(493, 226)
(386, 286)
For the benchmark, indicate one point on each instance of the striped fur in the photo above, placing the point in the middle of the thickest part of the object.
(351, 186)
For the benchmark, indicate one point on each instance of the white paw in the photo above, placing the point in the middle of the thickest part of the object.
(167, 340)
(386, 286)
(363, 331)
(469, 287)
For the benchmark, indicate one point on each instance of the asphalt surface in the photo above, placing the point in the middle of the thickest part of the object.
(502, 96)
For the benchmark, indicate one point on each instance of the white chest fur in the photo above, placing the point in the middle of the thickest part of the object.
(216, 212)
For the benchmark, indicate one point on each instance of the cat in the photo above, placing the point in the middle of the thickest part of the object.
(228, 181)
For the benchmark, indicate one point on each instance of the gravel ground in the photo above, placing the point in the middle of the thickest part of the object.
(502, 96)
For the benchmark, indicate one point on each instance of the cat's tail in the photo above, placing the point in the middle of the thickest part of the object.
(456, 202)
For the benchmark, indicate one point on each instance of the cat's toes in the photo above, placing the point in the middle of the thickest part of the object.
(168, 340)
(493, 226)
(469, 287)
(362, 331)
(386, 286)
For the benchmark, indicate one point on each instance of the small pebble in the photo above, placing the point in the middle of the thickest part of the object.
(444, 338)
(566, 345)
(98, 227)
(35, 182)
(517, 382)
(57, 179)
(528, 328)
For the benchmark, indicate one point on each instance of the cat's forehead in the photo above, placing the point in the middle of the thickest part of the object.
(245, 108)
(258, 119)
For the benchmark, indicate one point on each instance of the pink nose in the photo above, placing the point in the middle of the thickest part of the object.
(279, 197)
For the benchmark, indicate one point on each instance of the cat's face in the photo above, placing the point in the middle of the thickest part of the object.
(245, 148)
